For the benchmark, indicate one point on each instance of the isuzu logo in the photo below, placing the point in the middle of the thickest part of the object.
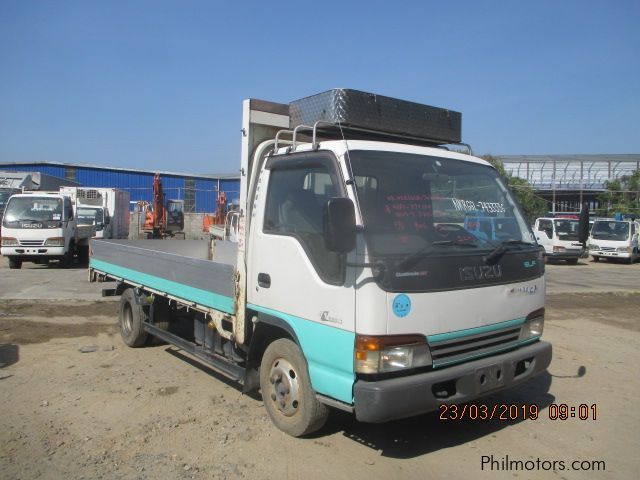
(31, 225)
(484, 272)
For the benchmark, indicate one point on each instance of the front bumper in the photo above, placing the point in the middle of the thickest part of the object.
(609, 253)
(566, 254)
(402, 397)
(40, 251)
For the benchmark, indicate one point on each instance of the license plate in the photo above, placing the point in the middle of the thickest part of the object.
(490, 377)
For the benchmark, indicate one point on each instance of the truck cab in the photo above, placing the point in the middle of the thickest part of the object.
(39, 227)
(98, 217)
(614, 239)
(559, 237)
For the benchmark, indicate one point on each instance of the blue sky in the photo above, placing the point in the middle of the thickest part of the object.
(159, 84)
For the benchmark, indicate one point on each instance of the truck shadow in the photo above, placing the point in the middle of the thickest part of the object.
(412, 437)
(9, 354)
(416, 436)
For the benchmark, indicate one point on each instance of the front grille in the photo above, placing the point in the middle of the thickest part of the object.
(460, 348)
(31, 243)
(608, 249)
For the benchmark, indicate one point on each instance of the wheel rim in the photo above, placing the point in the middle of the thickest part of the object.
(127, 319)
(284, 387)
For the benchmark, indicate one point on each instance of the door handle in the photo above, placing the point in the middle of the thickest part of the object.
(264, 280)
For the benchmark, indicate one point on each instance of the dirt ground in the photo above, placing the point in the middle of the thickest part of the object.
(120, 413)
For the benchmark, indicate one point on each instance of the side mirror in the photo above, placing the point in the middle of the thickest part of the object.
(583, 233)
(339, 224)
(107, 220)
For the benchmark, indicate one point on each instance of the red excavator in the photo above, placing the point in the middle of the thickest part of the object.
(161, 218)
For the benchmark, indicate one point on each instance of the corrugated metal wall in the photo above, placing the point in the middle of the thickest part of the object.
(140, 184)
(53, 170)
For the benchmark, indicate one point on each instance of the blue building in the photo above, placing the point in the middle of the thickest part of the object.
(199, 192)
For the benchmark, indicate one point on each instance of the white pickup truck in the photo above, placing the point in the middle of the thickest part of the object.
(354, 283)
(42, 226)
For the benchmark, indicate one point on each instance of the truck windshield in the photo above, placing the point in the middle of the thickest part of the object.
(411, 202)
(33, 209)
(567, 229)
(610, 230)
(90, 216)
(437, 224)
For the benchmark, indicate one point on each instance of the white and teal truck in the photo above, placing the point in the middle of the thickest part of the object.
(354, 284)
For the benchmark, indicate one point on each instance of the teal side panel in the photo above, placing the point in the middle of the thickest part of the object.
(192, 294)
(329, 352)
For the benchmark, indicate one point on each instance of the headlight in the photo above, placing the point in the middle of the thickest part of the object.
(54, 242)
(9, 242)
(624, 249)
(533, 325)
(593, 246)
(390, 353)
(558, 249)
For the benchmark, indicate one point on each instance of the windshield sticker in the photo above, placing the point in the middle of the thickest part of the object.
(57, 216)
(401, 305)
(471, 206)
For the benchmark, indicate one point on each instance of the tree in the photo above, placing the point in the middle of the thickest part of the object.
(532, 205)
(622, 195)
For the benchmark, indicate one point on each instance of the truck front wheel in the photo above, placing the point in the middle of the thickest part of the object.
(15, 263)
(131, 316)
(287, 392)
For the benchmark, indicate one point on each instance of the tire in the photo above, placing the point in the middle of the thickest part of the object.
(15, 263)
(131, 315)
(596, 259)
(286, 390)
(572, 261)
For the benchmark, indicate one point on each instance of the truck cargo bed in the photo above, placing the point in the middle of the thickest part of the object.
(180, 269)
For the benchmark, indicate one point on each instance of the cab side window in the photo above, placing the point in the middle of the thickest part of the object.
(546, 227)
(295, 206)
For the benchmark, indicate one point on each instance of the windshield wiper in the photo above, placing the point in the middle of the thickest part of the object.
(496, 254)
(412, 259)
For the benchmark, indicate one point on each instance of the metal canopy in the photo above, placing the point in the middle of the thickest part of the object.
(570, 172)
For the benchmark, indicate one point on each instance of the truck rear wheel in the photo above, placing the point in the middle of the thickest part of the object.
(131, 316)
(15, 263)
(286, 390)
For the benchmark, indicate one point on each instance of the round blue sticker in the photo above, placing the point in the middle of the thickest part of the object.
(401, 305)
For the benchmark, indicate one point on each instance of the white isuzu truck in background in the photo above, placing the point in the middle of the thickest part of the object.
(354, 283)
(615, 239)
(560, 238)
(105, 208)
(42, 226)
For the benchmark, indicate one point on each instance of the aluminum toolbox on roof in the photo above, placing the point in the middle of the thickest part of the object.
(358, 110)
